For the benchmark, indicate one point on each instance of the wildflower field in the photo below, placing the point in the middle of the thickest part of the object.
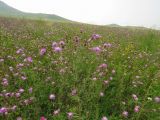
(73, 71)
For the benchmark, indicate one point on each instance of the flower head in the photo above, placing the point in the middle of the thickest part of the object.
(70, 115)
(43, 51)
(57, 49)
(96, 50)
(125, 114)
(104, 118)
(136, 109)
(52, 97)
(95, 36)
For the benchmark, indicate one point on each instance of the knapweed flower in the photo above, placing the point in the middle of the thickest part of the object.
(21, 90)
(17, 94)
(19, 51)
(30, 90)
(96, 50)
(135, 97)
(107, 45)
(57, 49)
(23, 77)
(69, 115)
(157, 99)
(52, 97)
(43, 51)
(29, 59)
(56, 112)
(103, 66)
(125, 114)
(104, 118)
(106, 82)
(3, 110)
(95, 36)
(54, 44)
(136, 109)
(62, 43)
(43, 118)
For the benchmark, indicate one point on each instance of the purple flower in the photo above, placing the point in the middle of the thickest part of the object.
(136, 109)
(135, 97)
(106, 45)
(95, 36)
(125, 114)
(19, 51)
(3, 110)
(57, 49)
(43, 118)
(43, 51)
(96, 50)
(104, 118)
(103, 66)
(70, 115)
(21, 90)
(54, 44)
(56, 112)
(30, 90)
(61, 43)
(29, 59)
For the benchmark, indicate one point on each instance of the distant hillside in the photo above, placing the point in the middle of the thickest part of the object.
(8, 11)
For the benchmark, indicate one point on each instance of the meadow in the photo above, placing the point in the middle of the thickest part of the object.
(73, 71)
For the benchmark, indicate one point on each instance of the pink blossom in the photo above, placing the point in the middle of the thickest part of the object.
(29, 59)
(43, 51)
(103, 65)
(125, 114)
(3, 110)
(95, 36)
(54, 44)
(57, 49)
(106, 45)
(62, 43)
(19, 51)
(106, 82)
(56, 112)
(104, 118)
(43, 118)
(96, 50)
(52, 97)
(70, 115)
(30, 90)
(135, 97)
(136, 109)
(23, 77)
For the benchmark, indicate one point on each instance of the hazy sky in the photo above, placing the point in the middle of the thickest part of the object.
(123, 12)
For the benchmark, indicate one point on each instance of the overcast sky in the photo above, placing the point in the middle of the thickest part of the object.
(123, 12)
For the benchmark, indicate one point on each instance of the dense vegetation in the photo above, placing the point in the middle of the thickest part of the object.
(60, 71)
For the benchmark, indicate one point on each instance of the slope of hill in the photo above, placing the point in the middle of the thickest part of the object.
(8, 11)
(69, 71)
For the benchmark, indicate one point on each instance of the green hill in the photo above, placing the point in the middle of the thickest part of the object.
(8, 11)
